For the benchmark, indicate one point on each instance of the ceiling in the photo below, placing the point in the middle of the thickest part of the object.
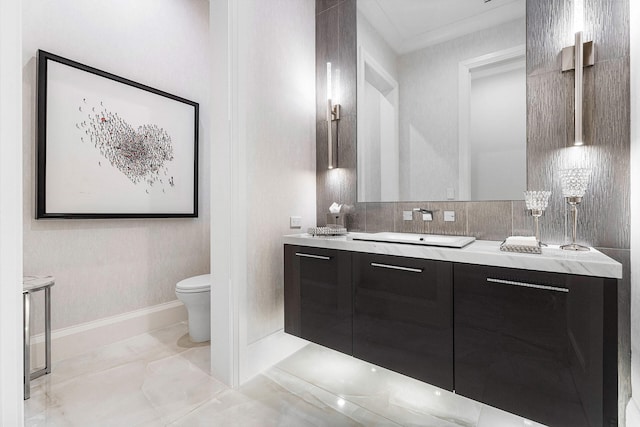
(409, 25)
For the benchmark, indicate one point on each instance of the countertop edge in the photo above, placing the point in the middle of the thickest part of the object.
(481, 252)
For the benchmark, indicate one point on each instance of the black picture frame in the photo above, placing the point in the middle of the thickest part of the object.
(109, 147)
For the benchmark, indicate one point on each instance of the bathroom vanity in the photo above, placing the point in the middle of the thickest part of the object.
(535, 335)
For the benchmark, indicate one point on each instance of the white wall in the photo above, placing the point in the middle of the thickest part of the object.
(498, 151)
(633, 408)
(264, 171)
(369, 144)
(372, 90)
(277, 123)
(11, 408)
(376, 46)
(107, 267)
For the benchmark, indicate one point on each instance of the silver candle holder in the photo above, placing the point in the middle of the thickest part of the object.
(574, 185)
(537, 202)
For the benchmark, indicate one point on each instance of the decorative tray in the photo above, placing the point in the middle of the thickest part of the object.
(327, 231)
(521, 249)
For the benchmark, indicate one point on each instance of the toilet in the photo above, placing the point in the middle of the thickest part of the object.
(195, 293)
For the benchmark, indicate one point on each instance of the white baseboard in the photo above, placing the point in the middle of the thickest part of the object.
(79, 339)
(268, 351)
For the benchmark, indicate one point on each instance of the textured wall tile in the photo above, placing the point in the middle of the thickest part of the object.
(623, 256)
(522, 221)
(546, 140)
(603, 216)
(611, 185)
(438, 225)
(347, 58)
(548, 31)
(489, 220)
(380, 217)
(588, 105)
(345, 137)
(415, 225)
(606, 23)
(327, 50)
(357, 217)
(324, 195)
(546, 124)
(323, 5)
(333, 186)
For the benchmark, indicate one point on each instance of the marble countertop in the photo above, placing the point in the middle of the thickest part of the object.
(481, 252)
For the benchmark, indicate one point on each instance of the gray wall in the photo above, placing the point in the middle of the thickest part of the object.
(604, 215)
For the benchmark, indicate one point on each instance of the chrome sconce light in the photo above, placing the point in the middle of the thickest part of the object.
(577, 57)
(333, 113)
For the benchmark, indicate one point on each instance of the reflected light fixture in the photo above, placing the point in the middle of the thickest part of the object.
(333, 113)
(577, 57)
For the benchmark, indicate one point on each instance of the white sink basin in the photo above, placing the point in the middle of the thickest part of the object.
(416, 239)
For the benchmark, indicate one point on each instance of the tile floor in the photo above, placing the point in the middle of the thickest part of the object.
(160, 379)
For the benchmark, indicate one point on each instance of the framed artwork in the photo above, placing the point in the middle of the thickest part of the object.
(108, 147)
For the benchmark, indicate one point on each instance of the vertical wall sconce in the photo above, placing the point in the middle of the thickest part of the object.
(577, 57)
(333, 113)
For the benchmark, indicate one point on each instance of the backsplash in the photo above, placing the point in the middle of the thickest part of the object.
(482, 220)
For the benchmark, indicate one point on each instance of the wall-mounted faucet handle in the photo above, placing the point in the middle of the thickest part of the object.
(427, 215)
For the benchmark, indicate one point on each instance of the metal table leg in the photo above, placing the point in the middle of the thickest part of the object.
(33, 284)
(26, 301)
(47, 336)
(47, 329)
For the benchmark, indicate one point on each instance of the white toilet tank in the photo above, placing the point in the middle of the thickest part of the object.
(195, 293)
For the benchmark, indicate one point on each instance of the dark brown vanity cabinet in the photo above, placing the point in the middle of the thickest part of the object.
(318, 296)
(540, 345)
(402, 316)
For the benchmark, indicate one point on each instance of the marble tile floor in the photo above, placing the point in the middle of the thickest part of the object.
(161, 379)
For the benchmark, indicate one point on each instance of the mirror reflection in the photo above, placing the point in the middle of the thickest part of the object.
(441, 100)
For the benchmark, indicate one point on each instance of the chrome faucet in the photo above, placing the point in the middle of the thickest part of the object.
(427, 215)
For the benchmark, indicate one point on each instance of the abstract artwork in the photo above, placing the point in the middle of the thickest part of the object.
(109, 147)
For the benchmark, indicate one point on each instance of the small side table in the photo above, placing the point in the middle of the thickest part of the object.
(31, 284)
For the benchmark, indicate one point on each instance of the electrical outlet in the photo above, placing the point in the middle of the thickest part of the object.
(295, 222)
(449, 216)
(407, 215)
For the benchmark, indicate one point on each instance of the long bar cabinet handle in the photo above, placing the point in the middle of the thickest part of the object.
(326, 258)
(527, 285)
(397, 267)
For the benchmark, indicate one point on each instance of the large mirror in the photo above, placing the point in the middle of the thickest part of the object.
(441, 100)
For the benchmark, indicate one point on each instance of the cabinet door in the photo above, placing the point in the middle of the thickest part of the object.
(318, 296)
(540, 345)
(403, 316)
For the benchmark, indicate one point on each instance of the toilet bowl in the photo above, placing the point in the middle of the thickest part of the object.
(195, 293)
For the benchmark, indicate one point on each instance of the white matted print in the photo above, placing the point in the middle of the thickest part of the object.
(112, 148)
